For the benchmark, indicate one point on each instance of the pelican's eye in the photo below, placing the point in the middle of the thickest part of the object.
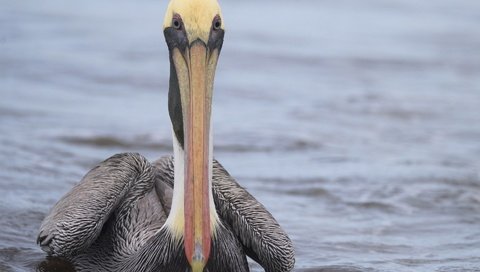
(217, 23)
(177, 22)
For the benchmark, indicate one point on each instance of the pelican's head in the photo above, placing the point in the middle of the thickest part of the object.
(194, 34)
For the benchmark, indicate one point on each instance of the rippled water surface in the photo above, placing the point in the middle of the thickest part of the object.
(357, 123)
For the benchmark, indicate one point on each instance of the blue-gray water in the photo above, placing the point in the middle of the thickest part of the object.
(356, 123)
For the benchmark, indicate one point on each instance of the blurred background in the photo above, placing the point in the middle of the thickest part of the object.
(356, 123)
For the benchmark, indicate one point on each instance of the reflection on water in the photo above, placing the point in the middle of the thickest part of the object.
(355, 123)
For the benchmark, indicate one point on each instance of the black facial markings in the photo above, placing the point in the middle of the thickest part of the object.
(215, 41)
(217, 23)
(175, 105)
(177, 22)
(176, 37)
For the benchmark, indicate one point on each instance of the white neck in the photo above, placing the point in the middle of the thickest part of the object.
(176, 220)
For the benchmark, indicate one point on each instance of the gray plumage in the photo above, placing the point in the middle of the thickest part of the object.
(112, 221)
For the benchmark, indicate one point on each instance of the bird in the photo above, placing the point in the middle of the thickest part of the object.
(179, 213)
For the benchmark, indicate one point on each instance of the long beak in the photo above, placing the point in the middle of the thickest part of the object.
(195, 69)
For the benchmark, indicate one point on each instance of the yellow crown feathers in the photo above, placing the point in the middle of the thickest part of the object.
(197, 16)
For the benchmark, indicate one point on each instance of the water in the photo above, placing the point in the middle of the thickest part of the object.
(356, 123)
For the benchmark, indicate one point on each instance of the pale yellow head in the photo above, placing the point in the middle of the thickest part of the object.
(194, 34)
(197, 16)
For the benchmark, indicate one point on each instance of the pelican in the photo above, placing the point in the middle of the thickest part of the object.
(180, 213)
